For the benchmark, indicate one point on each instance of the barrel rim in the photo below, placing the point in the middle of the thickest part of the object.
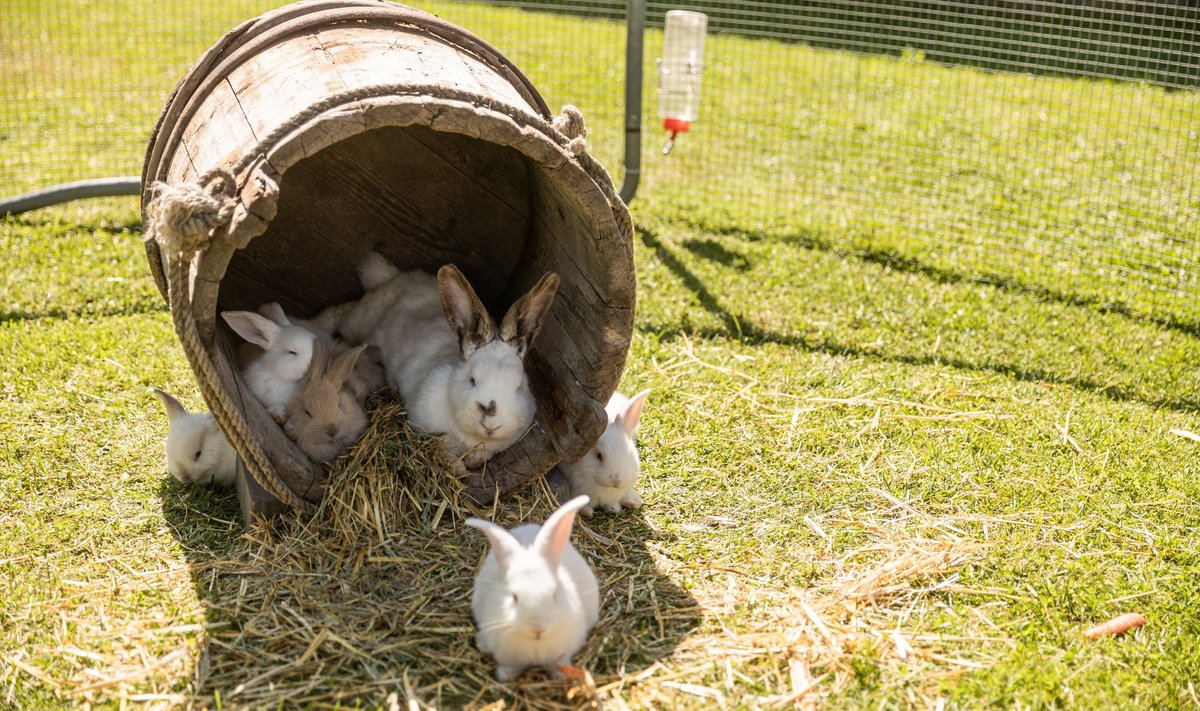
(244, 42)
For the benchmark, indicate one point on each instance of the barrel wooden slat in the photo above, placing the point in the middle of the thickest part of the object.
(352, 126)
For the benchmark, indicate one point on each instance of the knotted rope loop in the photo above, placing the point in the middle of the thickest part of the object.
(569, 123)
(183, 217)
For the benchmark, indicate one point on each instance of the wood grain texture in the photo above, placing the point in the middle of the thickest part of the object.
(383, 134)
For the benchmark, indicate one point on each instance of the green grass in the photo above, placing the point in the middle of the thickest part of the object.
(834, 398)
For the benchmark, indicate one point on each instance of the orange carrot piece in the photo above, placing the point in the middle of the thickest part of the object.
(1115, 626)
(572, 672)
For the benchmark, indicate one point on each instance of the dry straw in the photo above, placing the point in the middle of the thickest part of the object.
(367, 604)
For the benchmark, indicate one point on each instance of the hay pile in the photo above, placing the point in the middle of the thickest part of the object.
(368, 604)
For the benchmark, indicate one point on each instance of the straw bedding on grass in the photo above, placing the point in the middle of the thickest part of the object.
(368, 603)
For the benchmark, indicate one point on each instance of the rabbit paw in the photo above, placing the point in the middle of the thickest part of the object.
(457, 468)
(632, 499)
(475, 458)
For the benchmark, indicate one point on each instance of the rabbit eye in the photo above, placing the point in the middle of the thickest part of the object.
(198, 453)
(307, 413)
(472, 381)
(600, 455)
(514, 598)
(293, 353)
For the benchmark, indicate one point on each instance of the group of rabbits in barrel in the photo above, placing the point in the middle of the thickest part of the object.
(462, 377)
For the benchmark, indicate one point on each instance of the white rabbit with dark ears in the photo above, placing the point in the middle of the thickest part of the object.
(460, 375)
(535, 598)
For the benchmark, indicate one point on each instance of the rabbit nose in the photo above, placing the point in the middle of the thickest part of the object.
(489, 409)
(331, 430)
(537, 632)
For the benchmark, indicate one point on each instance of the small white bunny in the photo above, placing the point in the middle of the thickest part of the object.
(459, 375)
(607, 473)
(197, 451)
(535, 598)
(367, 376)
(274, 373)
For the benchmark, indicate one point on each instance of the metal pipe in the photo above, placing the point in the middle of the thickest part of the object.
(635, 28)
(101, 187)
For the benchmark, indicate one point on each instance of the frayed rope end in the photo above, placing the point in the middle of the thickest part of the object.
(181, 218)
(569, 123)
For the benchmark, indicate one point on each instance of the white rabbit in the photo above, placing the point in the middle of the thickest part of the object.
(368, 369)
(197, 451)
(535, 597)
(609, 470)
(275, 373)
(459, 375)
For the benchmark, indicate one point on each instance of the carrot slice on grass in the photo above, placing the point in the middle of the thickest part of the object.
(1115, 626)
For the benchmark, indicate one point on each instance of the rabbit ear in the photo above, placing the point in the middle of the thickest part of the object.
(627, 419)
(525, 317)
(259, 330)
(319, 365)
(343, 366)
(465, 312)
(503, 544)
(174, 407)
(274, 312)
(552, 538)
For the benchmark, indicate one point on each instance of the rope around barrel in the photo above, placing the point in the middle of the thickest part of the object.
(182, 220)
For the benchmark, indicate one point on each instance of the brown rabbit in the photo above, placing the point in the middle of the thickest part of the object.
(324, 418)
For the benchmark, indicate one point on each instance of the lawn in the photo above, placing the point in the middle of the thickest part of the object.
(900, 479)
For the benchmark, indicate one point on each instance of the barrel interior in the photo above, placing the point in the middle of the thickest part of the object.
(421, 197)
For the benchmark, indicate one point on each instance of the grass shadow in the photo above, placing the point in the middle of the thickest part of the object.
(741, 327)
(895, 260)
(56, 219)
(331, 612)
(717, 252)
(58, 313)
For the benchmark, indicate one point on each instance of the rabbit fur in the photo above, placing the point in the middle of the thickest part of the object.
(325, 418)
(275, 361)
(608, 472)
(459, 375)
(535, 598)
(367, 376)
(197, 450)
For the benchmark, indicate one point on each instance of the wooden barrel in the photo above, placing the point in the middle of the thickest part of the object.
(328, 129)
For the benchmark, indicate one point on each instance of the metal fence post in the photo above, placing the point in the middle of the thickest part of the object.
(635, 27)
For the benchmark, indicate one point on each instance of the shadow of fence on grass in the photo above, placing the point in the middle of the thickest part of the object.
(58, 313)
(741, 326)
(895, 260)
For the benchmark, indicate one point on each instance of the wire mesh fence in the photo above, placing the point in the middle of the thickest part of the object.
(1048, 145)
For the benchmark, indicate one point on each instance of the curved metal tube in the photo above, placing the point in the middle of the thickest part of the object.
(64, 192)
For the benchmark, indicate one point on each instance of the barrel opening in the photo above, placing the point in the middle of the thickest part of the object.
(421, 197)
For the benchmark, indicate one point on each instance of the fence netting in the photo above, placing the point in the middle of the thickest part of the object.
(1048, 145)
